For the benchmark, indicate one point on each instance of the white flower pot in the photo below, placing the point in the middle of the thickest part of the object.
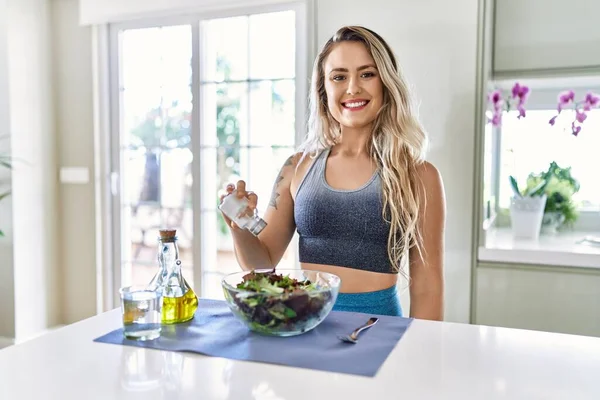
(526, 214)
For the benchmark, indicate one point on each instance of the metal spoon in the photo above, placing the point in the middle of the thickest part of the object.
(353, 337)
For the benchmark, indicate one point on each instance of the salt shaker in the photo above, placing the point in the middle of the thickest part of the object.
(235, 209)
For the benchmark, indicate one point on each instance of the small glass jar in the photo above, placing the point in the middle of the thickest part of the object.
(235, 209)
(179, 300)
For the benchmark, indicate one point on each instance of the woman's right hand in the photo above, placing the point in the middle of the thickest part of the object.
(240, 191)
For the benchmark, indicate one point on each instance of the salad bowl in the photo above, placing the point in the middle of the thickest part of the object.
(281, 302)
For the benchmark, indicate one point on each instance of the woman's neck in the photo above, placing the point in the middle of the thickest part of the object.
(354, 141)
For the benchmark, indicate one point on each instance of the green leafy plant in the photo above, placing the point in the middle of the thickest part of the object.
(533, 191)
(560, 186)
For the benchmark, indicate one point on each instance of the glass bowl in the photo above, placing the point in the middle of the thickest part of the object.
(272, 310)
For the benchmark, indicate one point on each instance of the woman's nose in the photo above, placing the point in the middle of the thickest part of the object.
(353, 87)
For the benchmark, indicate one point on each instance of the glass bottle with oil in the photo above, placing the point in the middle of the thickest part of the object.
(179, 300)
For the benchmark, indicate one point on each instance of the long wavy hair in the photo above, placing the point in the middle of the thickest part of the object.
(397, 144)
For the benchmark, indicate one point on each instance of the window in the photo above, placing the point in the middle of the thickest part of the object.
(528, 145)
(222, 72)
(531, 144)
(153, 143)
(248, 121)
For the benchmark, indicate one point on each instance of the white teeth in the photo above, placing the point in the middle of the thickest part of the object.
(355, 105)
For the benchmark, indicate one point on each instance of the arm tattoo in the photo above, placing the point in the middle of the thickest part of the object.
(275, 194)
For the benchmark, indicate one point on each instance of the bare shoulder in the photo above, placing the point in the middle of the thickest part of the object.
(301, 162)
(296, 159)
(430, 179)
(289, 167)
(428, 173)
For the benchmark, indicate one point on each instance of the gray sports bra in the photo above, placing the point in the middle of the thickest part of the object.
(341, 227)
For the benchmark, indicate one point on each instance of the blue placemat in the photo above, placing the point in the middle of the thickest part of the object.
(214, 331)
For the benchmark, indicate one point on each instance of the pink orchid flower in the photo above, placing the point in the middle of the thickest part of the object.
(564, 98)
(501, 103)
(581, 108)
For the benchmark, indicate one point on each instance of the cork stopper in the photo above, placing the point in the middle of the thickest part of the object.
(167, 235)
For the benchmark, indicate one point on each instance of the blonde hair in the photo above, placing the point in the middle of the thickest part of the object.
(397, 143)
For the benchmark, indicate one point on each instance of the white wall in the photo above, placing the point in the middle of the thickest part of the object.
(7, 293)
(34, 194)
(73, 105)
(435, 43)
(46, 105)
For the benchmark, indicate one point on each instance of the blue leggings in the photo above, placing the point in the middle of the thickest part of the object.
(381, 302)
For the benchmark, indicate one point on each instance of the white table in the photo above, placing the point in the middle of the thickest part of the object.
(432, 361)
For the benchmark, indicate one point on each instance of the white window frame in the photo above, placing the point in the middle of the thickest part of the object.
(107, 119)
(544, 93)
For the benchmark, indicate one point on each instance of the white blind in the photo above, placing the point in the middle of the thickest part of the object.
(106, 11)
(546, 34)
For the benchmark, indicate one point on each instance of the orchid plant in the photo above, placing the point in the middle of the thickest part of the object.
(566, 99)
(501, 103)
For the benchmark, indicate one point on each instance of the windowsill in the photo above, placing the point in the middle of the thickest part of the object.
(561, 249)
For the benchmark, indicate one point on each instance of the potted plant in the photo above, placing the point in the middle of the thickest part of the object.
(559, 188)
(527, 209)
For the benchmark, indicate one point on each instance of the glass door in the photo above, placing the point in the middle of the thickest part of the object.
(197, 106)
(247, 122)
(152, 151)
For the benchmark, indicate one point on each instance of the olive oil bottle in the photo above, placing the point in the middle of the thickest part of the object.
(179, 300)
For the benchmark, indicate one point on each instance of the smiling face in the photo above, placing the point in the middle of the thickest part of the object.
(353, 86)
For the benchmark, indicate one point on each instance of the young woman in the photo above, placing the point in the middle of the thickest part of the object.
(364, 201)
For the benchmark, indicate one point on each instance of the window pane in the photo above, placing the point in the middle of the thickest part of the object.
(530, 144)
(224, 49)
(176, 178)
(225, 112)
(156, 78)
(155, 136)
(141, 117)
(166, 122)
(224, 261)
(223, 258)
(139, 46)
(263, 166)
(145, 265)
(211, 286)
(259, 169)
(272, 113)
(488, 179)
(142, 223)
(273, 45)
(134, 167)
(220, 166)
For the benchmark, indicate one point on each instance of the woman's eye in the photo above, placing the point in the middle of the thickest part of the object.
(368, 75)
(338, 78)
